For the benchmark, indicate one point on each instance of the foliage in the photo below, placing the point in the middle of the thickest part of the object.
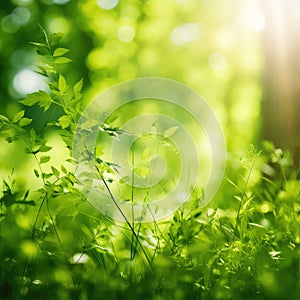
(209, 45)
(54, 245)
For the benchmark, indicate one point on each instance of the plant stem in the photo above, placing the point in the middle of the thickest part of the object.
(124, 217)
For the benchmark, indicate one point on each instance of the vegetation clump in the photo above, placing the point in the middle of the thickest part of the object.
(55, 245)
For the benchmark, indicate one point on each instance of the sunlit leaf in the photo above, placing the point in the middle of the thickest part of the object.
(65, 121)
(40, 97)
(24, 122)
(62, 84)
(78, 86)
(60, 52)
(44, 159)
(62, 60)
(18, 116)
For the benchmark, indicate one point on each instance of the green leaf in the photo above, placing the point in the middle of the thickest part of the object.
(25, 121)
(62, 60)
(36, 173)
(9, 139)
(44, 148)
(62, 84)
(42, 71)
(55, 171)
(32, 133)
(42, 49)
(18, 116)
(170, 131)
(40, 97)
(44, 159)
(64, 170)
(30, 151)
(65, 121)
(40, 45)
(45, 101)
(3, 118)
(31, 99)
(60, 52)
(78, 86)
(55, 38)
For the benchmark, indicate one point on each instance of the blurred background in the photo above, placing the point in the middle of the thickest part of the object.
(240, 55)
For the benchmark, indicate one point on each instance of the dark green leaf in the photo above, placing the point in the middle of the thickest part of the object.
(9, 139)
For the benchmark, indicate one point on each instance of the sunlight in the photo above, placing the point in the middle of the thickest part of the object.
(79, 258)
(107, 4)
(27, 81)
(126, 34)
(255, 21)
(59, 24)
(185, 33)
(217, 61)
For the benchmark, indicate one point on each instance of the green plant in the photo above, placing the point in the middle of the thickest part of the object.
(55, 245)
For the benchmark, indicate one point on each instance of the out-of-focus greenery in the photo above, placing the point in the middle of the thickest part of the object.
(53, 244)
(212, 46)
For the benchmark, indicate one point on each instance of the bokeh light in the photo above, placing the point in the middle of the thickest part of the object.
(107, 4)
(126, 34)
(255, 20)
(27, 81)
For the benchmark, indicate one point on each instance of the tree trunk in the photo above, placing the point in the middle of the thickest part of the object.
(281, 104)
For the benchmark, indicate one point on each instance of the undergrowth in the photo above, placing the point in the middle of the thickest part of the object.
(55, 245)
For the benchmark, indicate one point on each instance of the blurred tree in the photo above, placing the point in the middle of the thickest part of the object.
(281, 105)
(204, 44)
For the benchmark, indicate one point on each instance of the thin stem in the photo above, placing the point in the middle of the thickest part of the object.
(123, 215)
(243, 195)
(132, 247)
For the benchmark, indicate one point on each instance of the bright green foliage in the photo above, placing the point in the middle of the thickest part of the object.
(55, 245)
